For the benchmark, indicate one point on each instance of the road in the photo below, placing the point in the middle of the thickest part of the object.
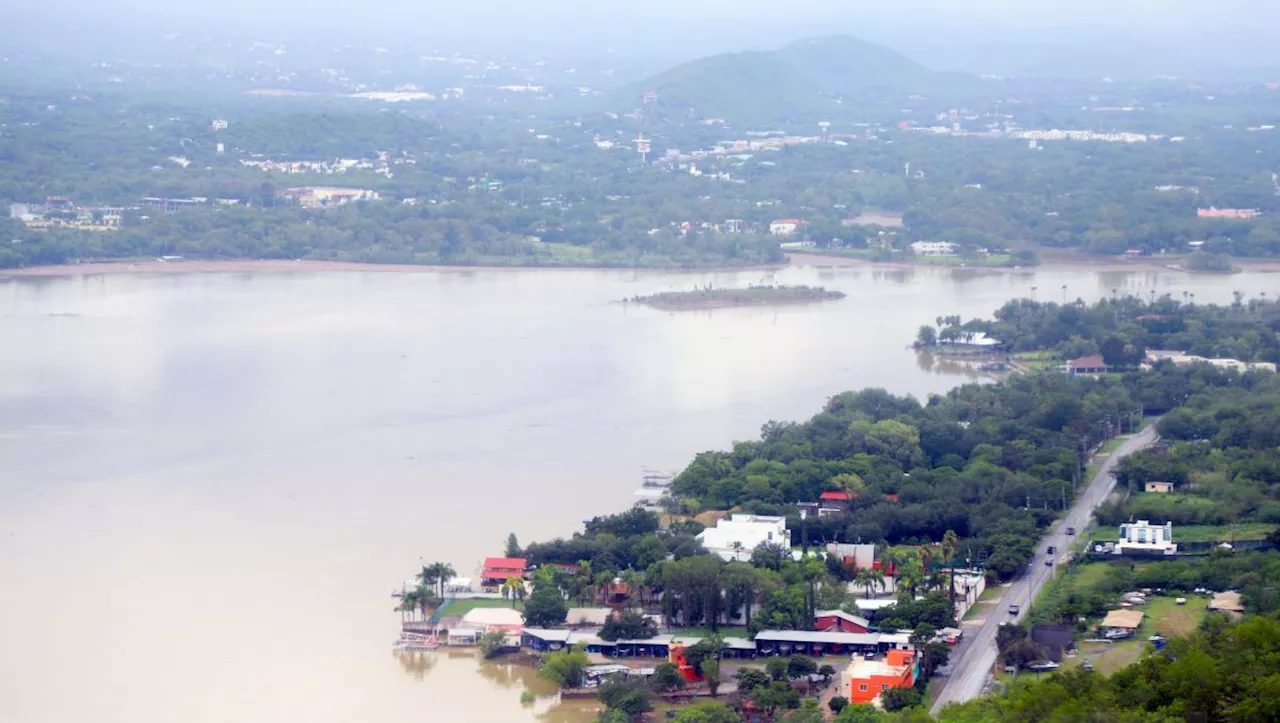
(972, 660)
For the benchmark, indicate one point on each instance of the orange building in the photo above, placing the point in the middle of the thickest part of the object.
(864, 680)
(676, 657)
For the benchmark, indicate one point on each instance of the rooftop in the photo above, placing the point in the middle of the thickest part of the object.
(1129, 619)
(505, 563)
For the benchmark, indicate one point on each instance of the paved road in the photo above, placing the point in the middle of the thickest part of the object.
(974, 657)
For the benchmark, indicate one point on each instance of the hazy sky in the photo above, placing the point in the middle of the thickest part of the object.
(933, 31)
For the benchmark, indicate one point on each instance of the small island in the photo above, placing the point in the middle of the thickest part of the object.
(714, 298)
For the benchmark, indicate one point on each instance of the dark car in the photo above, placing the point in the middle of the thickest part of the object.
(1051, 550)
(1071, 530)
(1048, 563)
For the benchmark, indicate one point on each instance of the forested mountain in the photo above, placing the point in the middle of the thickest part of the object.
(808, 80)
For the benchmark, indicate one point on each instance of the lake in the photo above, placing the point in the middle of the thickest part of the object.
(211, 482)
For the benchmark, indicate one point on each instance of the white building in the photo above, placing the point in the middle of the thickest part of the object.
(785, 226)
(735, 538)
(1142, 536)
(933, 248)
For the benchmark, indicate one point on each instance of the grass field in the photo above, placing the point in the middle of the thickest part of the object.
(1164, 617)
(462, 607)
(1202, 533)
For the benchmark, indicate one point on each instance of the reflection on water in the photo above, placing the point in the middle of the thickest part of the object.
(258, 437)
(416, 663)
(966, 367)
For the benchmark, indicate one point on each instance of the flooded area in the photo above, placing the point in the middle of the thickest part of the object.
(211, 482)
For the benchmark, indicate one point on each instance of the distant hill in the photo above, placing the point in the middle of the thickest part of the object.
(806, 80)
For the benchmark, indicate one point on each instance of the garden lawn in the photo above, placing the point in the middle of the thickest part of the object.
(466, 605)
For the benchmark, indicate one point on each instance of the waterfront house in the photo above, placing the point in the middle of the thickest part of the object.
(812, 643)
(865, 679)
(736, 537)
(508, 620)
(496, 570)
(933, 248)
(839, 621)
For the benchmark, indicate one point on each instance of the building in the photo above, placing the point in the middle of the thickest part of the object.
(826, 621)
(864, 680)
(1085, 365)
(508, 620)
(833, 502)
(736, 537)
(1227, 602)
(327, 196)
(785, 226)
(817, 644)
(1053, 640)
(1121, 622)
(1161, 487)
(933, 248)
(1239, 214)
(496, 570)
(863, 556)
(1142, 537)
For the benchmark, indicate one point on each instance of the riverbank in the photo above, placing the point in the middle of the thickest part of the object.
(1056, 262)
(1066, 261)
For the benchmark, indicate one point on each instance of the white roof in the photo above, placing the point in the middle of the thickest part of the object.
(843, 616)
(864, 604)
(748, 530)
(479, 617)
(809, 636)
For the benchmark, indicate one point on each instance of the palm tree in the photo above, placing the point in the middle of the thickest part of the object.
(950, 548)
(911, 573)
(445, 573)
(737, 548)
(512, 587)
(869, 578)
(408, 605)
(430, 573)
(582, 579)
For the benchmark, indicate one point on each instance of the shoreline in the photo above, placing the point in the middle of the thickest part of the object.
(1057, 261)
(793, 261)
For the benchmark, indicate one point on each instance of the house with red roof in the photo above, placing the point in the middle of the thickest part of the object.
(833, 502)
(1085, 365)
(496, 570)
(839, 621)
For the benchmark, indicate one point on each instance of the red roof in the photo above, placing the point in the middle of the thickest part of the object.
(1087, 362)
(835, 496)
(505, 563)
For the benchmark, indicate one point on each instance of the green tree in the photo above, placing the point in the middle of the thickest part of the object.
(860, 713)
(513, 546)
(899, 698)
(776, 668)
(751, 678)
(629, 697)
(775, 696)
(707, 711)
(926, 336)
(838, 703)
(492, 643)
(666, 677)
(799, 666)
(546, 607)
(628, 625)
(711, 676)
(513, 588)
(564, 667)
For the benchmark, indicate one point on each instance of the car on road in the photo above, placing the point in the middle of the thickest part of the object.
(1071, 530)
(1048, 563)
(1051, 550)
(1014, 609)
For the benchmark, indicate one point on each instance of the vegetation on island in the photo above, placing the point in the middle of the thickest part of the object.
(1122, 329)
(758, 295)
